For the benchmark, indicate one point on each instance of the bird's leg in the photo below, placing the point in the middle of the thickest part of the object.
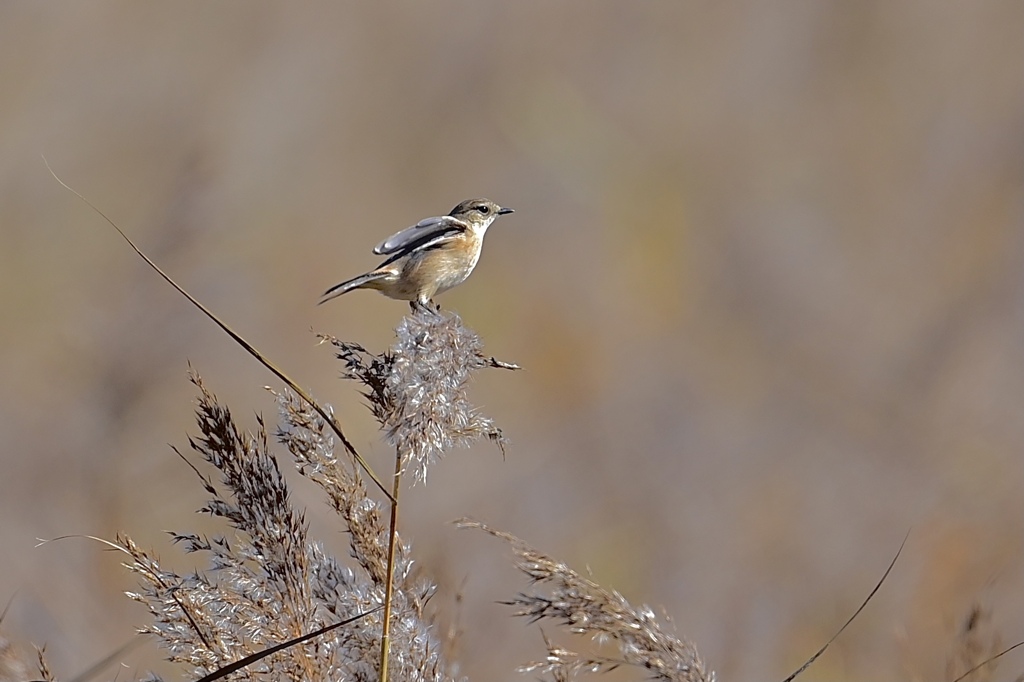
(419, 305)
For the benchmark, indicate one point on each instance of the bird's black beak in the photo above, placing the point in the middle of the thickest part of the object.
(503, 211)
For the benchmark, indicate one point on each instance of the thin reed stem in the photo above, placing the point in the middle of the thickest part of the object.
(389, 585)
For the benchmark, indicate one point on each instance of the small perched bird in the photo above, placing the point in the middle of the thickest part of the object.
(432, 256)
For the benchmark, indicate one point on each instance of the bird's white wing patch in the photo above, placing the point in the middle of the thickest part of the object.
(427, 232)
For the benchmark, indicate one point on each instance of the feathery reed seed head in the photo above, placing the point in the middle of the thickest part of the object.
(417, 390)
(271, 582)
(586, 608)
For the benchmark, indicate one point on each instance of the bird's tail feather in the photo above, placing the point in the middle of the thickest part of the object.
(349, 285)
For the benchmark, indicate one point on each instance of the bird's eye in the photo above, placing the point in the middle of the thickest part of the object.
(484, 209)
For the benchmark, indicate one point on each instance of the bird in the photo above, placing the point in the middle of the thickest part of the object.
(428, 258)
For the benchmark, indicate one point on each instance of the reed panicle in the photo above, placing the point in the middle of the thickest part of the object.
(417, 390)
(585, 608)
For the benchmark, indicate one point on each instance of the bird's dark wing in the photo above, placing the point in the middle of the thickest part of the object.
(424, 234)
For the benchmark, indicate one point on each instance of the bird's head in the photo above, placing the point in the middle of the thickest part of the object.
(479, 213)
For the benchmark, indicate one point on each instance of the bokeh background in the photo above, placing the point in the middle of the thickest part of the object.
(766, 277)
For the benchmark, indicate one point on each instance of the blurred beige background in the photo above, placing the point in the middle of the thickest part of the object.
(766, 276)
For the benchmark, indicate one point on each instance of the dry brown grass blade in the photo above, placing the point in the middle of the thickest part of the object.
(274, 369)
(987, 661)
(241, 663)
(856, 613)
